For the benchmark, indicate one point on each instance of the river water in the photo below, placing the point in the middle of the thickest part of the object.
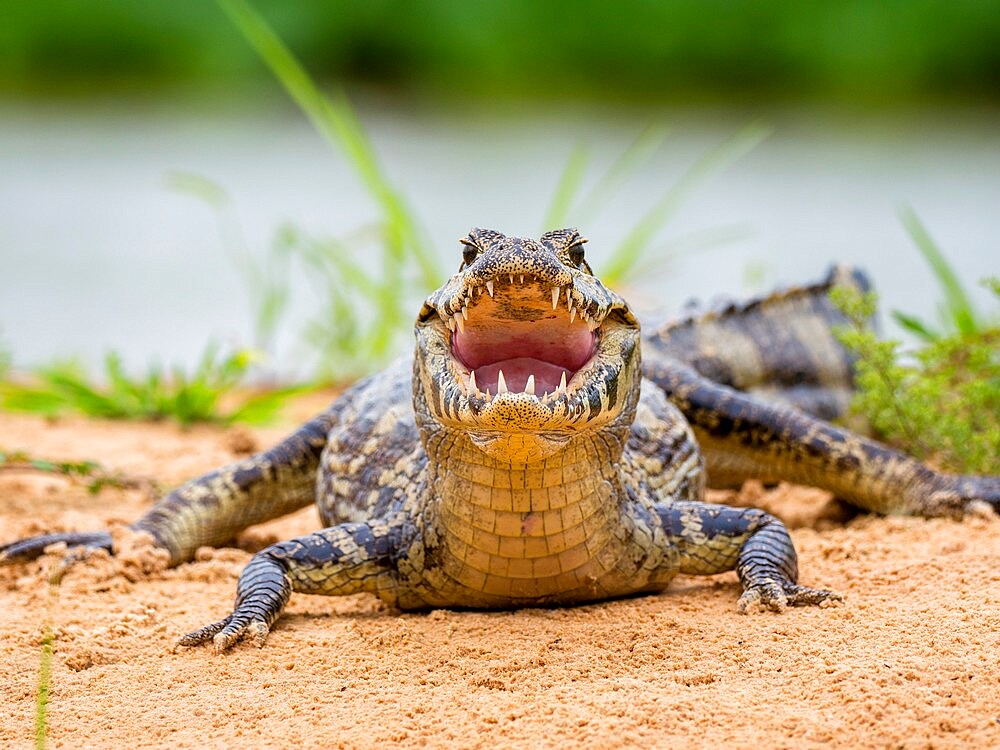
(98, 252)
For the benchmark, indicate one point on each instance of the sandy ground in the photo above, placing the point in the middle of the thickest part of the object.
(912, 659)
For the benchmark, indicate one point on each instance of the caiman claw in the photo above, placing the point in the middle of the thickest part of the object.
(775, 596)
(227, 632)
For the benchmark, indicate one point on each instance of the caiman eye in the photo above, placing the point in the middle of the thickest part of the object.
(469, 253)
(576, 254)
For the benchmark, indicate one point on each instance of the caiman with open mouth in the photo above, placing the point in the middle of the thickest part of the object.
(538, 450)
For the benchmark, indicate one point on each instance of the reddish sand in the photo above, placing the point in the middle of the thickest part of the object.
(911, 659)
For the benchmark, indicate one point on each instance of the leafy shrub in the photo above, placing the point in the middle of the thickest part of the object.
(942, 401)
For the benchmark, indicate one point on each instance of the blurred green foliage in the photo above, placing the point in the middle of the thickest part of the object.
(158, 394)
(942, 400)
(858, 50)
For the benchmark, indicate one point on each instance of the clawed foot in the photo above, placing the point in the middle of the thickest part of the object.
(262, 592)
(80, 545)
(227, 632)
(775, 595)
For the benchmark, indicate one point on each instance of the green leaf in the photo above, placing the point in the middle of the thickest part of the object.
(915, 326)
(958, 309)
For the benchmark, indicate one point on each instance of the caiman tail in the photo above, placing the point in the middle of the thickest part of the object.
(780, 347)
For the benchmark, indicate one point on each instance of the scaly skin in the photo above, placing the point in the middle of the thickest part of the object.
(443, 484)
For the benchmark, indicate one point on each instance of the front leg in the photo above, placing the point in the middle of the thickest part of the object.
(345, 559)
(715, 538)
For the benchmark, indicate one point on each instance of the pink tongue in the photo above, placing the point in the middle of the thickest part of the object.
(516, 372)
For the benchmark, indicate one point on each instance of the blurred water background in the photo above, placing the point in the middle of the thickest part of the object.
(474, 109)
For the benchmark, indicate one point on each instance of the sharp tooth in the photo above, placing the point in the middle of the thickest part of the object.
(572, 313)
(472, 382)
(489, 397)
(522, 278)
(461, 323)
(562, 382)
(512, 279)
(489, 287)
(529, 387)
(465, 312)
(569, 296)
(555, 297)
(501, 383)
(545, 397)
(451, 324)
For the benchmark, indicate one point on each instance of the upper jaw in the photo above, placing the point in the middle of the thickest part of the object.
(517, 305)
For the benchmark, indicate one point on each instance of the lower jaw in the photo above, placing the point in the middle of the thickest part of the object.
(519, 447)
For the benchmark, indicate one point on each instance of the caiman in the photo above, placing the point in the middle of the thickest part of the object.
(527, 455)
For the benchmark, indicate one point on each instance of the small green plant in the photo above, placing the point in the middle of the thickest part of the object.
(942, 401)
(94, 476)
(186, 398)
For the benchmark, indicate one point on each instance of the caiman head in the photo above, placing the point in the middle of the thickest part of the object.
(524, 348)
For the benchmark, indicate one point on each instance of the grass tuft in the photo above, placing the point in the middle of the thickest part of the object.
(363, 312)
(630, 250)
(184, 397)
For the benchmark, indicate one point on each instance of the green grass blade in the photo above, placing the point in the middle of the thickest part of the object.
(6, 358)
(262, 408)
(198, 187)
(959, 311)
(631, 160)
(567, 188)
(80, 395)
(45, 669)
(335, 120)
(628, 252)
(915, 326)
(42, 694)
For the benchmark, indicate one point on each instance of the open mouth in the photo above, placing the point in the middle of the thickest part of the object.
(534, 349)
(514, 337)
